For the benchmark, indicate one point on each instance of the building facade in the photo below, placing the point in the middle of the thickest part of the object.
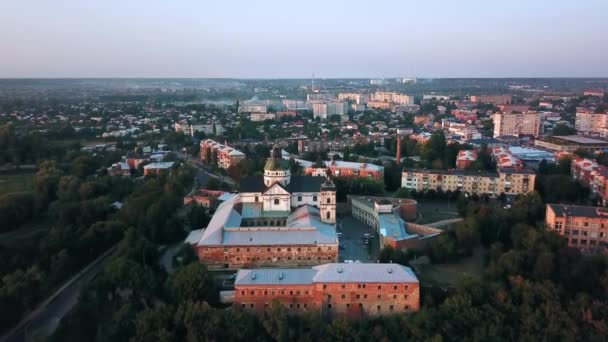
(276, 220)
(212, 152)
(584, 227)
(331, 290)
(494, 99)
(515, 124)
(507, 181)
(589, 122)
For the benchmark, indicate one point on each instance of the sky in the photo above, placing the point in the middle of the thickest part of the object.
(294, 39)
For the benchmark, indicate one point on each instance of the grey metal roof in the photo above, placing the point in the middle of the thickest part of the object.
(304, 227)
(579, 210)
(224, 214)
(328, 273)
(363, 273)
(276, 276)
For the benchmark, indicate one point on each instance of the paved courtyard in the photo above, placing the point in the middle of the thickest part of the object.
(352, 246)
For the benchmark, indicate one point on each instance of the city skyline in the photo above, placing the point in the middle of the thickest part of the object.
(436, 39)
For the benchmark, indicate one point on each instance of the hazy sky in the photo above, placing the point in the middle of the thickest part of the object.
(291, 38)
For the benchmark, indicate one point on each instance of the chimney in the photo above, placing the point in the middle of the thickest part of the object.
(398, 157)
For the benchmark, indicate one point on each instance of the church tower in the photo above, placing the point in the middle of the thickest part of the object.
(328, 202)
(276, 170)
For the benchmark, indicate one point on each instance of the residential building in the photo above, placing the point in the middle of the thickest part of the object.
(589, 122)
(339, 168)
(276, 220)
(594, 92)
(584, 227)
(256, 117)
(494, 99)
(510, 108)
(157, 168)
(212, 152)
(354, 97)
(508, 181)
(465, 158)
(528, 123)
(392, 97)
(581, 169)
(253, 107)
(119, 169)
(379, 104)
(331, 290)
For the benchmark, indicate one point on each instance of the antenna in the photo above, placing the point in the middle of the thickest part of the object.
(312, 86)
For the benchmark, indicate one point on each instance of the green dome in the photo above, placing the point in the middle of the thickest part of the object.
(276, 165)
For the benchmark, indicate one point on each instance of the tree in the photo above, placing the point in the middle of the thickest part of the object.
(192, 282)
(562, 129)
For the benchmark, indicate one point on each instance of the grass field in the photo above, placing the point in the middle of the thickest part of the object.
(15, 182)
(451, 274)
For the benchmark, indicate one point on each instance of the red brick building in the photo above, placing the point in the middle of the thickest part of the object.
(584, 227)
(223, 156)
(465, 158)
(157, 168)
(331, 290)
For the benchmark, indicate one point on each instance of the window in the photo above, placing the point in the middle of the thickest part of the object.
(379, 287)
(257, 199)
(343, 296)
(328, 215)
(343, 286)
(299, 198)
(328, 200)
(314, 198)
(390, 307)
(276, 201)
(395, 287)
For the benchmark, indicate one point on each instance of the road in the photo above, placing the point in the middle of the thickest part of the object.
(45, 319)
(203, 174)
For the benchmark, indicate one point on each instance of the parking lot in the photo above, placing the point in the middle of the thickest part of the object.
(352, 244)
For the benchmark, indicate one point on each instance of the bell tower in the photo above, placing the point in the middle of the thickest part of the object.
(328, 202)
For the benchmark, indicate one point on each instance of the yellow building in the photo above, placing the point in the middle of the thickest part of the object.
(507, 181)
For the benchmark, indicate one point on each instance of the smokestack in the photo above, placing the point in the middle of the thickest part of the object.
(398, 157)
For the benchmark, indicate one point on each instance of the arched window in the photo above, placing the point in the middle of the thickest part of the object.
(328, 200)
(277, 201)
(328, 215)
(257, 199)
(314, 198)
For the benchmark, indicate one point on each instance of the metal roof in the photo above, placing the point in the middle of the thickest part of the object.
(279, 276)
(304, 227)
(327, 273)
(363, 273)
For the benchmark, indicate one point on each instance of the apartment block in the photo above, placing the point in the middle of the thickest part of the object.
(589, 122)
(223, 156)
(508, 181)
(516, 124)
(494, 99)
(584, 227)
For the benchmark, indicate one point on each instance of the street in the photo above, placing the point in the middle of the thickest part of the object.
(354, 248)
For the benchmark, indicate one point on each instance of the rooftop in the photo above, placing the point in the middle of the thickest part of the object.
(579, 210)
(327, 273)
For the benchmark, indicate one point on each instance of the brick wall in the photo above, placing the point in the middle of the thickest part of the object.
(266, 255)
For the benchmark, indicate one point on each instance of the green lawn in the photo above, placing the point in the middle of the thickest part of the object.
(15, 182)
(451, 274)
(431, 216)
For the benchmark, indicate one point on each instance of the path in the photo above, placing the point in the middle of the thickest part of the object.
(45, 319)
